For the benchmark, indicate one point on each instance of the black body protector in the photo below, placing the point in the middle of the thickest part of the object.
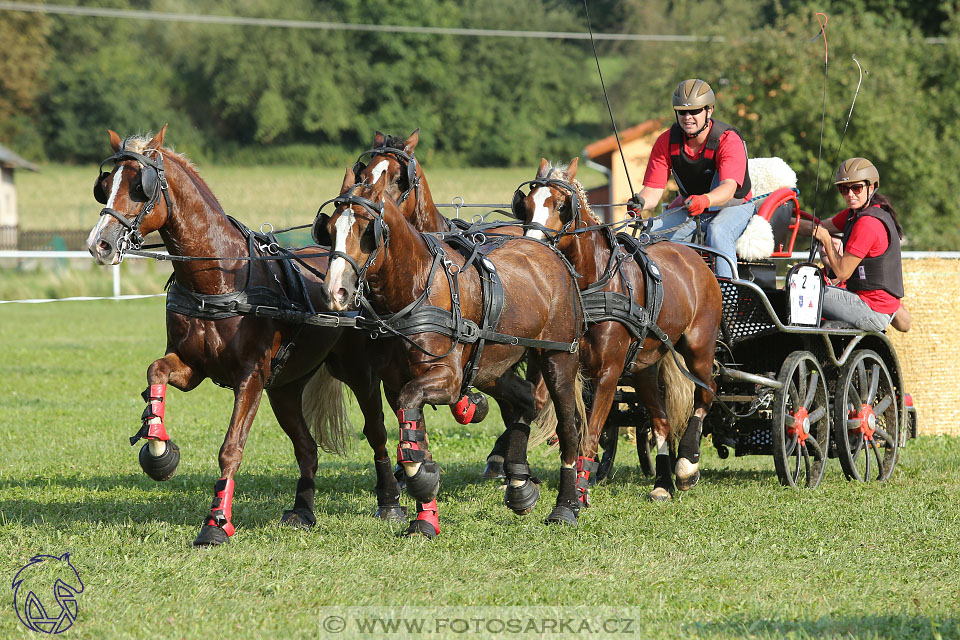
(880, 272)
(695, 177)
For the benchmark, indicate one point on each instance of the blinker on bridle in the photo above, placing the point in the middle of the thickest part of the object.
(153, 182)
(516, 206)
(381, 233)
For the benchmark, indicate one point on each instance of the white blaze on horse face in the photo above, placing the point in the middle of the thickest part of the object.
(344, 224)
(540, 211)
(378, 170)
(104, 220)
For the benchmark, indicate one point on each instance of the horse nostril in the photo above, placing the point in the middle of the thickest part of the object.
(104, 247)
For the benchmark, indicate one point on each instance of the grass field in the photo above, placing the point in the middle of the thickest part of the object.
(739, 556)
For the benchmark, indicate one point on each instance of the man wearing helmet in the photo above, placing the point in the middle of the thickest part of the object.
(708, 159)
(870, 263)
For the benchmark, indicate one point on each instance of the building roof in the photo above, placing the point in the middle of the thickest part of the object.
(11, 160)
(605, 145)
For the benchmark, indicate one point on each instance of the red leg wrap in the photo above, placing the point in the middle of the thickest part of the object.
(428, 511)
(584, 467)
(464, 409)
(222, 508)
(153, 416)
(412, 434)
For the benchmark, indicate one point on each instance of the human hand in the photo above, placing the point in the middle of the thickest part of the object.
(822, 235)
(635, 205)
(696, 204)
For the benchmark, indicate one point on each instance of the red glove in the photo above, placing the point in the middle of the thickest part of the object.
(696, 204)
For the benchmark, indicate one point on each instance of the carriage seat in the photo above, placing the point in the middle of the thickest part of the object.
(770, 232)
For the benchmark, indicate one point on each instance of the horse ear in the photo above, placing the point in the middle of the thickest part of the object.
(378, 139)
(349, 179)
(157, 140)
(544, 166)
(572, 169)
(411, 143)
(115, 140)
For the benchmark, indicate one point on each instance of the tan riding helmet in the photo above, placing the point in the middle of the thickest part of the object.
(857, 170)
(693, 94)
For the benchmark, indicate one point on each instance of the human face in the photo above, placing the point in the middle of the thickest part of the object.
(853, 199)
(693, 121)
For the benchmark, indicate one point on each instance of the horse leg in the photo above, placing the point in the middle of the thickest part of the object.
(605, 387)
(286, 402)
(700, 361)
(517, 406)
(494, 468)
(160, 456)
(218, 527)
(413, 451)
(560, 371)
(365, 385)
(646, 383)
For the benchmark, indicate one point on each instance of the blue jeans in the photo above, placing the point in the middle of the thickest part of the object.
(722, 228)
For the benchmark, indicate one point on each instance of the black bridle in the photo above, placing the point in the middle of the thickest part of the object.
(516, 206)
(381, 234)
(404, 158)
(153, 183)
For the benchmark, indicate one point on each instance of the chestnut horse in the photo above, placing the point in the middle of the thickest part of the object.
(689, 316)
(394, 158)
(154, 189)
(416, 281)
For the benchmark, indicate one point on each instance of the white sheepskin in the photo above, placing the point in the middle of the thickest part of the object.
(769, 174)
(766, 176)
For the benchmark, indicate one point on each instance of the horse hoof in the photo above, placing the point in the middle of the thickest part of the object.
(211, 536)
(688, 474)
(160, 467)
(420, 529)
(391, 513)
(659, 494)
(562, 514)
(522, 499)
(424, 484)
(298, 518)
(493, 470)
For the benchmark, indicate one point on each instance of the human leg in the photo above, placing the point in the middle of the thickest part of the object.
(723, 231)
(840, 304)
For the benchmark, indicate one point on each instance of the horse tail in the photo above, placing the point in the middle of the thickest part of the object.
(325, 411)
(678, 390)
(546, 425)
(581, 408)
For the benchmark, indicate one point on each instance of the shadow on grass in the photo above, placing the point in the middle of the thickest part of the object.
(880, 626)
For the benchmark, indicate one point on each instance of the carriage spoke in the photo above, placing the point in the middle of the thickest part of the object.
(866, 460)
(817, 415)
(853, 424)
(807, 463)
(862, 378)
(876, 452)
(882, 433)
(802, 374)
(874, 382)
(796, 469)
(813, 443)
(811, 388)
(883, 404)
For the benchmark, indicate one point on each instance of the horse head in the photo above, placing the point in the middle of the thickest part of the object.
(554, 201)
(356, 233)
(134, 194)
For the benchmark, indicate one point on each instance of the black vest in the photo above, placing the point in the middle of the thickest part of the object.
(695, 177)
(883, 271)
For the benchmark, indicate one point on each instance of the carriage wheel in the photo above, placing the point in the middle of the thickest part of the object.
(801, 421)
(644, 447)
(865, 418)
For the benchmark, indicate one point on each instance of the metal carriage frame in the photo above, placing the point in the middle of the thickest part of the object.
(803, 394)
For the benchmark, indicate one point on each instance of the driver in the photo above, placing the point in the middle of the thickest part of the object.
(708, 159)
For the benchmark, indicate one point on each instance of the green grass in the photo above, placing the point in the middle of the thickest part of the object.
(738, 556)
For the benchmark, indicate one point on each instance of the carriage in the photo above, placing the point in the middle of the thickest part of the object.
(789, 385)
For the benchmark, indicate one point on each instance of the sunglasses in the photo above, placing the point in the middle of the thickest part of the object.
(855, 189)
(692, 112)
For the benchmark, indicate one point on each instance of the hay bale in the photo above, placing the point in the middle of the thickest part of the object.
(930, 352)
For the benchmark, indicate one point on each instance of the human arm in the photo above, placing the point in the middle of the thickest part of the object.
(842, 266)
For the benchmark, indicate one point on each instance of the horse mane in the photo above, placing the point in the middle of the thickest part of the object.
(391, 142)
(559, 172)
(138, 144)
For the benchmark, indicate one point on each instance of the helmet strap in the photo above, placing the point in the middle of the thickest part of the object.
(690, 136)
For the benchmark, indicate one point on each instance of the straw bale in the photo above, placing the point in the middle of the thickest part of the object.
(930, 352)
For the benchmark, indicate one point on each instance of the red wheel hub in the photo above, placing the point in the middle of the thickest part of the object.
(868, 421)
(801, 425)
